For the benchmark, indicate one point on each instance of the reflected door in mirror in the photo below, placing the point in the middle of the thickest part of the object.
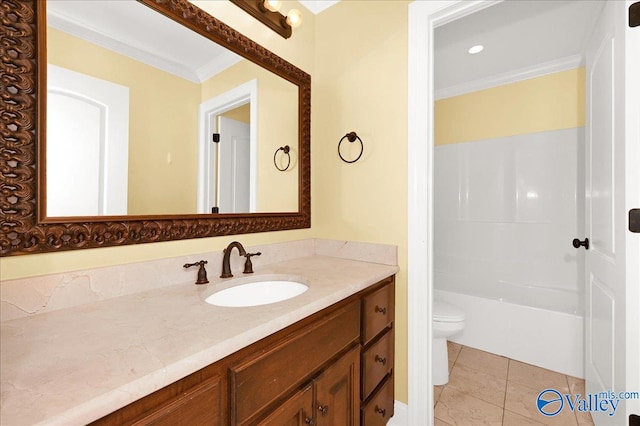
(87, 146)
(234, 166)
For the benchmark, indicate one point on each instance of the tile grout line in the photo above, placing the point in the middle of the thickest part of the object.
(506, 386)
(509, 371)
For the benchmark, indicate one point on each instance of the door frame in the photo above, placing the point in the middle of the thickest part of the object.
(632, 200)
(423, 18)
(209, 110)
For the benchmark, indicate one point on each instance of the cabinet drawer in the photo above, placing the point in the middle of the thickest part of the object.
(379, 409)
(199, 405)
(377, 362)
(378, 311)
(262, 379)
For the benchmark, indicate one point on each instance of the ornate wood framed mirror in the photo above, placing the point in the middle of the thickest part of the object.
(26, 227)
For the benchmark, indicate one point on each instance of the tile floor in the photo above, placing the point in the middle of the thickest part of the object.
(488, 389)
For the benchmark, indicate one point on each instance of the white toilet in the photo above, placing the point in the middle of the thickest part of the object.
(447, 321)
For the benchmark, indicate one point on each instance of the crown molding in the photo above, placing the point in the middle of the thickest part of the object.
(123, 47)
(538, 70)
(317, 6)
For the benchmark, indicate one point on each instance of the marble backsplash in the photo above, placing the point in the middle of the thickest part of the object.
(34, 295)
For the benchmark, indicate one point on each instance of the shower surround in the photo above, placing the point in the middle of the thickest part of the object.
(506, 211)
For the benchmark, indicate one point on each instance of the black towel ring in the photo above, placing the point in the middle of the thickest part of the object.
(286, 150)
(351, 137)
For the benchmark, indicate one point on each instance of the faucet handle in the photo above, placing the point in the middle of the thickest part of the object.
(248, 266)
(202, 272)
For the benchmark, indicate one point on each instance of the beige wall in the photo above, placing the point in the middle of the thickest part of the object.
(360, 84)
(550, 102)
(241, 114)
(163, 126)
(356, 53)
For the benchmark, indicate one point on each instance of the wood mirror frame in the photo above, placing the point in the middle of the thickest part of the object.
(24, 227)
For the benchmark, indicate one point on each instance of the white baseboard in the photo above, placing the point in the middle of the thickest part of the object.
(400, 415)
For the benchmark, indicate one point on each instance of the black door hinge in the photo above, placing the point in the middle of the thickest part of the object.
(216, 137)
(634, 220)
(634, 15)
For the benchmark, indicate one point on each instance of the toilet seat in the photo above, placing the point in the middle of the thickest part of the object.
(444, 312)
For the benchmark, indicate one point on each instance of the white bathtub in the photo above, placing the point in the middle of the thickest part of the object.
(550, 337)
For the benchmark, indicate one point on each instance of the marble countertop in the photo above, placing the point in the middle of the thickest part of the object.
(75, 365)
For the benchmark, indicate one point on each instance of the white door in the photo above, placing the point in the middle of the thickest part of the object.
(234, 166)
(606, 214)
(87, 145)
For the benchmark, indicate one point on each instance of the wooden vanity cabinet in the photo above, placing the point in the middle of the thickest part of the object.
(321, 370)
(335, 402)
(277, 370)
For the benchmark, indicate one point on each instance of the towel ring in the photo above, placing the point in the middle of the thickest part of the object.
(351, 137)
(286, 150)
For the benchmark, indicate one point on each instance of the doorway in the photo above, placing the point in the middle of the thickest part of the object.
(228, 174)
(423, 18)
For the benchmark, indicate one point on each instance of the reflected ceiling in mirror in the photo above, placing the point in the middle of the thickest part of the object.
(26, 226)
(130, 118)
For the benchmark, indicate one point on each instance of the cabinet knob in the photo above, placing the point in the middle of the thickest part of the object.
(323, 409)
(380, 411)
(382, 360)
(308, 421)
(381, 310)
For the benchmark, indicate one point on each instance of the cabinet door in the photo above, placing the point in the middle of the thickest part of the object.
(296, 411)
(337, 392)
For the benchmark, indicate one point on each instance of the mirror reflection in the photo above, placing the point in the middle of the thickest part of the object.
(146, 117)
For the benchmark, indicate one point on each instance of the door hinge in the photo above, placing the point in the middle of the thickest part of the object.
(634, 15)
(634, 220)
(216, 137)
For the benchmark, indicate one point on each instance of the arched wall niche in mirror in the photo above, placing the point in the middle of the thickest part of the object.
(25, 225)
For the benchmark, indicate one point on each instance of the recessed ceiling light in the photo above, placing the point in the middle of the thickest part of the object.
(476, 49)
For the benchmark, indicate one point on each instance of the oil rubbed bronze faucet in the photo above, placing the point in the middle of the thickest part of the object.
(226, 266)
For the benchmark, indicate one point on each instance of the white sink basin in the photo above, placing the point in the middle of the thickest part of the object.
(257, 293)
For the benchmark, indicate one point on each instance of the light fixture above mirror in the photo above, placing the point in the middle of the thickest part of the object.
(268, 12)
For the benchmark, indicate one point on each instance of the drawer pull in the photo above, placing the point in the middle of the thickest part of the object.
(380, 411)
(382, 360)
(323, 409)
(382, 310)
(308, 421)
